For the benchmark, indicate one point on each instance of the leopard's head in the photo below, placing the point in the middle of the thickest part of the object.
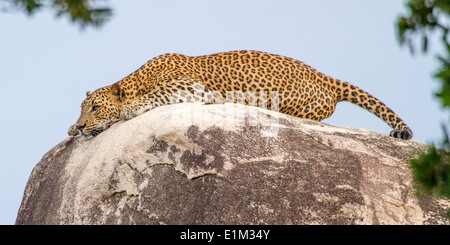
(99, 111)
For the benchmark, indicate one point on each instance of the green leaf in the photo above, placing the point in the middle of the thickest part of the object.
(432, 171)
(81, 12)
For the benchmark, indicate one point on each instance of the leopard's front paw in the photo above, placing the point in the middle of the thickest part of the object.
(129, 112)
(126, 113)
(74, 130)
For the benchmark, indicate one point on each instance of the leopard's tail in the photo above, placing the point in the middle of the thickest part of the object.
(355, 95)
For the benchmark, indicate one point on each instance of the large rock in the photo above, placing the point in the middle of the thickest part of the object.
(208, 164)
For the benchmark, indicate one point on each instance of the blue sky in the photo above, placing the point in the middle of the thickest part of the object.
(47, 64)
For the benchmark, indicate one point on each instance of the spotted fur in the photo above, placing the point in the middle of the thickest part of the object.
(171, 78)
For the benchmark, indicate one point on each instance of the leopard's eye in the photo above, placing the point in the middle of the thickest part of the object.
(95, 107)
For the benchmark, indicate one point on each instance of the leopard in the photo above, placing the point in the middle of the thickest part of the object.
(171, 78)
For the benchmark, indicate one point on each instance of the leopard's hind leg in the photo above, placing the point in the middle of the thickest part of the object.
(316, 108)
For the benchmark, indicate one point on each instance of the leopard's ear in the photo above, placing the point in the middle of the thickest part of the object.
(118, 93)
(88, 93)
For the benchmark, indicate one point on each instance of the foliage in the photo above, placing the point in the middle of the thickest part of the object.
(431, 169)
(425, 17)
(81, 12)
